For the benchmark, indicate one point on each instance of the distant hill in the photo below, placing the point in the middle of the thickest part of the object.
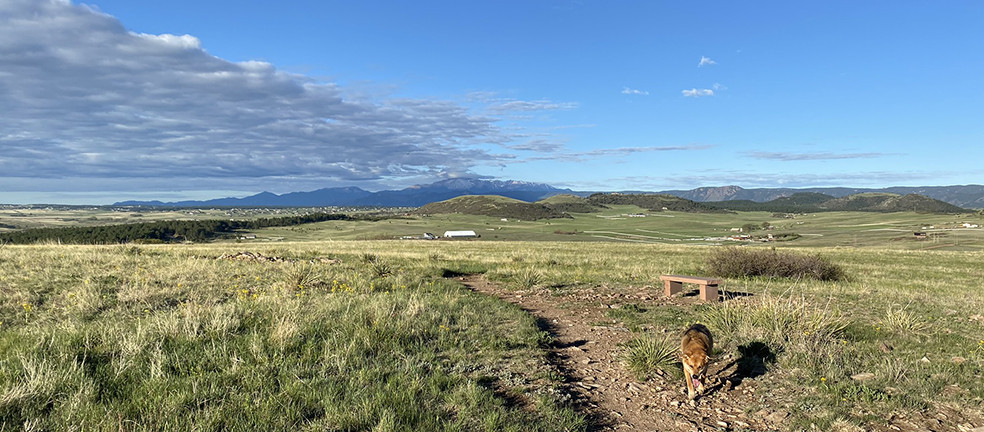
(653, 202)
(571, 204)
(414, 196)
(343, 196)
(494, 206)
(887, 202)
(966, 196)
(867, 202)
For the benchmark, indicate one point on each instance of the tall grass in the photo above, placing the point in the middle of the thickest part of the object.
(176, 339)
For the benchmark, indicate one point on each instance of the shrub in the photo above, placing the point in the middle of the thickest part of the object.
(649, 354)
(746, 262)
(530, 278)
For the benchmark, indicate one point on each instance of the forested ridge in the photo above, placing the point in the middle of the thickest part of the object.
(159, 232)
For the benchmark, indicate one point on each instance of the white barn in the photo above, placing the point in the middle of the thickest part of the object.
(460, 234)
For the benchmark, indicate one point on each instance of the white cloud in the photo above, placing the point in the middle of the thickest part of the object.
(629, 91)
(87, 100)
(694, 92)
(706, 61)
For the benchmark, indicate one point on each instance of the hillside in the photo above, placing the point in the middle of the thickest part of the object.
(413, 196)
(886, 202)
(864, 202)
(493, 206)
(964, 196)
(653, 202)
(571, 204)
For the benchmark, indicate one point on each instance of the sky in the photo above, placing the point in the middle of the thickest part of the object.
(111, 100)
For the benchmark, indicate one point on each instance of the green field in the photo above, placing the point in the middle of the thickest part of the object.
(619, 223)
(338, 331)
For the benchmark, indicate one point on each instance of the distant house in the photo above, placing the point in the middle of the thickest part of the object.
(460, 234)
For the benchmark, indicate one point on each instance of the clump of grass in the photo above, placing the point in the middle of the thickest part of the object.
(647, 354)
(530, 278)
(904, 321)
(747, 262)
(380, 268)
(783, 324)
(300, 275)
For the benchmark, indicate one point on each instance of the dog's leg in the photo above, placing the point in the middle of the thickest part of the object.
(688, 375)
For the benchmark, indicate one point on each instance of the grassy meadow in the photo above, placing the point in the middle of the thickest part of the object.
(343, 333)
(174, 338)
(825, 229)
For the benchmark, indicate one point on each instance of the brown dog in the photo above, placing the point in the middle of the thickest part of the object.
(695, 350)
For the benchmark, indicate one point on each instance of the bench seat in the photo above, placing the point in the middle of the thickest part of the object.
(708, 286)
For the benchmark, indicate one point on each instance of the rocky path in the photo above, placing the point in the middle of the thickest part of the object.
(587, 349)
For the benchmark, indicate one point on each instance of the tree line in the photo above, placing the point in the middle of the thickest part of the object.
(159, 232)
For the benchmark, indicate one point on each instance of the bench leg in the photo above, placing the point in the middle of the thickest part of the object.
(709, 293)
(673, 287)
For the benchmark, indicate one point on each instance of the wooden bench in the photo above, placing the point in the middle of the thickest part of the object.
(708, 286)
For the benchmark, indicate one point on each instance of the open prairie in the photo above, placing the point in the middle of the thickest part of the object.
(382, 335)
(630, 224)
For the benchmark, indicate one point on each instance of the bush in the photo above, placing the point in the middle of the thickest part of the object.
(745, 262)
(649, 354)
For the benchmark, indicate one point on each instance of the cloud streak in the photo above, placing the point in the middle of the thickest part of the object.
(696, 93)
(706, 61)
(620, 151)
(789, 156)
(630, 91)
(113, 107)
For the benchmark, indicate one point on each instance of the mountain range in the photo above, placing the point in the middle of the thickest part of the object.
(414, 196)
(966, 196)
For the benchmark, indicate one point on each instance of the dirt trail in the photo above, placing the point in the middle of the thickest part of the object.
(587, 347)
(743, 395)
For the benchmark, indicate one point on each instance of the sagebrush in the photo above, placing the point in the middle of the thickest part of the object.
(747, 262)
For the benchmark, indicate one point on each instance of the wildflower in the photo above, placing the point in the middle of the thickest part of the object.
(823, 379)
(27, 307)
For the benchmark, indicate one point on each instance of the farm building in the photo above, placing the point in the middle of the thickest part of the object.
(460, 234)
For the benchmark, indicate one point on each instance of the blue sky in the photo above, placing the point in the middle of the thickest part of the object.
(118, 99)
